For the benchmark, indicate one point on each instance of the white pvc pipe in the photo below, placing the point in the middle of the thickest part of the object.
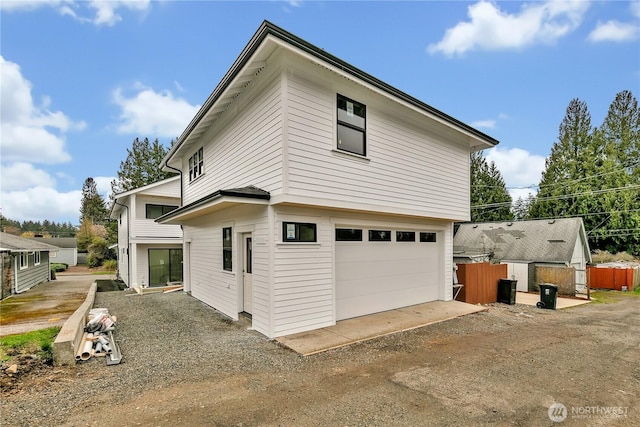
(87, 347)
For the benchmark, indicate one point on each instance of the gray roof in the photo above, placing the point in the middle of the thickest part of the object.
(20, 244)
(545, 240)
(61, 242)
(249, 192)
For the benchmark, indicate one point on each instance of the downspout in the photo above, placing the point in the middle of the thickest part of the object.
(115, 201)
(181, 204)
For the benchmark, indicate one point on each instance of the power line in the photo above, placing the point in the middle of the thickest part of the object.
(563, 196)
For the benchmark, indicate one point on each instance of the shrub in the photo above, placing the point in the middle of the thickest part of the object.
(58, 267)
(110, 265)
(93, 261)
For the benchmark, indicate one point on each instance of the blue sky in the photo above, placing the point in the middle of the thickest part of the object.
(81, 79)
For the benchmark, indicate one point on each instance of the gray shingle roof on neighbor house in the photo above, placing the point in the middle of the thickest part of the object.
(61, 242)
(20, 244)
(544, 240)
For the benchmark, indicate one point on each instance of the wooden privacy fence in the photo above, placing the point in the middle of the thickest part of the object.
(480, 282)
(563, 277)
(613, 278)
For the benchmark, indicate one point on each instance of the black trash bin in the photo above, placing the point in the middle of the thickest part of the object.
(548, 296)
(507, 291)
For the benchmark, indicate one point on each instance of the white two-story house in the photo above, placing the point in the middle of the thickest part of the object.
(313, 192)
(149, 254)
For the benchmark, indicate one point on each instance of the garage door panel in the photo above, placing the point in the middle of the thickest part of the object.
(379, 276)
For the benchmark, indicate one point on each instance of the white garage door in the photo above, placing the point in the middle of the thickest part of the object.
(379, 275)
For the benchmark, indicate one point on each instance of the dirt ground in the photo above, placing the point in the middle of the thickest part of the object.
(506, 367)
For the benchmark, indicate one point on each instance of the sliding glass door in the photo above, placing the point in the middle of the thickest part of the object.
(165, 265)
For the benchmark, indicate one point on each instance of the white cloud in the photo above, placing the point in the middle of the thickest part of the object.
(614, 31)
(40, 203)
(487, 124)
(518, 167)
(30, 132)
(489, 28)
(158, 114)
(104, 12)
(20, 176)
(103, 185)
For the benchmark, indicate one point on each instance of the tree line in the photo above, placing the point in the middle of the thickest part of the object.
(591, 172)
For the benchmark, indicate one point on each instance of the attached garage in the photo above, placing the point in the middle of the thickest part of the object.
(379, 270)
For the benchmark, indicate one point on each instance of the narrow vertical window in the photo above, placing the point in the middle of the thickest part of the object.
(227, 246)
(36, 258)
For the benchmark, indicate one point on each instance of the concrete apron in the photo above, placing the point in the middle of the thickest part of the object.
(350, 331)
(532, 299)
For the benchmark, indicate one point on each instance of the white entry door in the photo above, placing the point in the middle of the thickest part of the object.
(247, 282)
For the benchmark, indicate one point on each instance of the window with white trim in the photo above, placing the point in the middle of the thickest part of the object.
(352, 126)
(24, 260)
(36, 258)
(196, 164)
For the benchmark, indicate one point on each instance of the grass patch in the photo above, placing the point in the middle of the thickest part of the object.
(37, 342)
(608, 297)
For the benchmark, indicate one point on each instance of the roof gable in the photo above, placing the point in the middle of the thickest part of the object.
(550, 241)
(253, 59)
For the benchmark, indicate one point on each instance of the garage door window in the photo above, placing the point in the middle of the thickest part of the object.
(298, 232)
(428, 237)
(405, 236)
(348, 235)
(379, 235)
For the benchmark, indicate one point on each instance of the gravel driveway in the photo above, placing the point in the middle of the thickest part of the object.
(185, 364)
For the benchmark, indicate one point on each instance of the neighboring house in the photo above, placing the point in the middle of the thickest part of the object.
(29, 265)
(67, 252)
(149, 254)
(522, 245)
(313, 192)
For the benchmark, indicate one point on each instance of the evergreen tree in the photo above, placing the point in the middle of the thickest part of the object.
(619, 137)
(141, 167)
(490, 200)
(92, 206)
(567, 167)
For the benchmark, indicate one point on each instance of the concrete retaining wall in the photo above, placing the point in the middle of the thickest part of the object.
(68, 340)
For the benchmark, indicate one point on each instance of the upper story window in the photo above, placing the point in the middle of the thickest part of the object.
(156, 211)
(352, 126)
(196, 164)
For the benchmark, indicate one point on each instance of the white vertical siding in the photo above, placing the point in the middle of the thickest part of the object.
(409, 166)
(245, 151)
